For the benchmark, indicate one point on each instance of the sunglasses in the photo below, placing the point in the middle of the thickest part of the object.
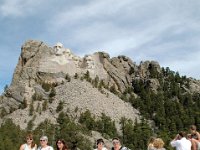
(59, 143)
(42, 140)
(115, 142)
(29, 139)
(101, 143)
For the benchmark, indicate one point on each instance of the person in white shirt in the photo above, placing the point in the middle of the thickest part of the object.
(30, 144)
(180, 142)
(100, 145)
(117, 145)
(44, 144)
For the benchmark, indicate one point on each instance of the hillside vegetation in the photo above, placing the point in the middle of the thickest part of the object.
(64, 96)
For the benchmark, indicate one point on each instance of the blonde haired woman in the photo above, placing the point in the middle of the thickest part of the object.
(158, 144)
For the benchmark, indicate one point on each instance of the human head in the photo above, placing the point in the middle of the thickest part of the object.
(193, 129)
(29, 140)
(60, 144)
(100, 143)
(158, 143)
(58, 46)
(189, 136)
(43, 141)
(116, 143)
(151, 140)
(182, 134)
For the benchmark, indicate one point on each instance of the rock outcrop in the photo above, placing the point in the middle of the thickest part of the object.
(41, 66)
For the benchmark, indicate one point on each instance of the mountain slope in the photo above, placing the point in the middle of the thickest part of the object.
(52, 84)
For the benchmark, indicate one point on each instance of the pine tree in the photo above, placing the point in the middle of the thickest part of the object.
(24, 104)
(44, 105)
(96, 81)
(3, 112)
(5, 88)
(76, 76)
(60, 106)
(53, 92)
(67, 77)
(31, 109)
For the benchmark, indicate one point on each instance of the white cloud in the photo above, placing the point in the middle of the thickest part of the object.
(96, 21)
(155, 30)
(187, 66)
(18, 8)
(167, 31)
(93, 10)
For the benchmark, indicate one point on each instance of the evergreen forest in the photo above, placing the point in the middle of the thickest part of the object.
(165, 112)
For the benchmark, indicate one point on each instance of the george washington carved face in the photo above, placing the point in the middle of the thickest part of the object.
(58, 46)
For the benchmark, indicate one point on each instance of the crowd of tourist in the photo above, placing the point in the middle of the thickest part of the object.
(181, 141)
(61, 145)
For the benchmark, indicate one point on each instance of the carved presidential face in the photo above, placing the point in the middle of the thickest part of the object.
(88, 58)
(58, 46)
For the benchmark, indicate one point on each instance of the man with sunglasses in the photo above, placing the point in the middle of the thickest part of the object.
(117, 145)
(44, 144)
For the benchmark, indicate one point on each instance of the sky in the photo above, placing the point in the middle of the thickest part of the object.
(164, 31)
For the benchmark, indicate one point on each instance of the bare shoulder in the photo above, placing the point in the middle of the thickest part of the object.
(22, 147)
(35, 146)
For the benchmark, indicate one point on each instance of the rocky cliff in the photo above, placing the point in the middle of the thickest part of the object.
(42, 68)
(40, 65)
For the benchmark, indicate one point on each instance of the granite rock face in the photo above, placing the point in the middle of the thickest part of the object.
(40, 65)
